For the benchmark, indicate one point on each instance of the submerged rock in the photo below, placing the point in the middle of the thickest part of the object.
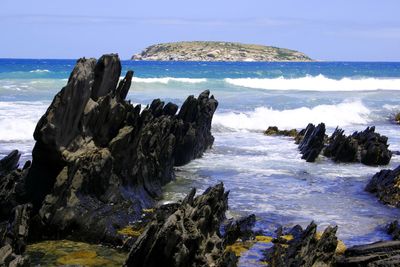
(98, 160)
(305, 248)
(273, 130)
(187, 235)
(384, 184)
(312, 143)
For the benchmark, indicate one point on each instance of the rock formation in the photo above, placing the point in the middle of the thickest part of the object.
(312, 143)
(187, 235)
(367, 147)
(98, 160)
(384, 184)
(384, 253)
(273, 130)
(305, 248)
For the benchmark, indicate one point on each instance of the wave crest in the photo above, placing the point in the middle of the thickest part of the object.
(317, 83)
(166, 80)
(343, 114)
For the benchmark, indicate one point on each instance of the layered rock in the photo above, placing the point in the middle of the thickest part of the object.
(9, 163)
(305, 248)
(312, 142)
(384, 184)
(14, 235)
(384, 253)
(187, 235)
(98, 160)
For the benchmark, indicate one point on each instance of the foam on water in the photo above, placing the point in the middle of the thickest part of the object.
(317, 83)
(343, 114)
(39, 71)
(18, 119)
(166, 80)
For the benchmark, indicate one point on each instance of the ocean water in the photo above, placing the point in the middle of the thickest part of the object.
(265, 175)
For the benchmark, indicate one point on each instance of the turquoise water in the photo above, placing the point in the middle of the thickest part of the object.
(264, 174)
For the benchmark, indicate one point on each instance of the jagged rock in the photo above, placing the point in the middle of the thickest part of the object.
(187, 237)
(383, 253)
(14, 236)
(393, 229)
(273, 130)
(341, 148)
(241, 228)
(9, 163)
(313, 142)
(306, 249)
(373, 147)
(384, 184)
(98, 160)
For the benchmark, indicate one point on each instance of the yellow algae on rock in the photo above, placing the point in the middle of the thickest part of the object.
(84, 258)
(287, 237)
(130, 231)
(239, 247)
(148, 210)
(340, 248)
(65, 252)
(264, 239)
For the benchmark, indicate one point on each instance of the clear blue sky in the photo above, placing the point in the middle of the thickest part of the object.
(327, 30)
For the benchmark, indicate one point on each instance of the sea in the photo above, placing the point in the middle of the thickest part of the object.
(264, 174)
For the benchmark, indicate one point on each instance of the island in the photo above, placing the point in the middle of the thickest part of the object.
(217, 51)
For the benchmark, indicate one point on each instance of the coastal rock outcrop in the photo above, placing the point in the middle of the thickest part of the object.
(98, 160)
(305, 248)
(367, 147)
(187, 235)
(312, 142)
(384, 184)
(383, 253)
(9, 163)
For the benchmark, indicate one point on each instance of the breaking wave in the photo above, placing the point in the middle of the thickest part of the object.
(317, 83)
(343, 114)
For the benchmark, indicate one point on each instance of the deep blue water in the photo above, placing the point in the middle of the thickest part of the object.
(265, 174)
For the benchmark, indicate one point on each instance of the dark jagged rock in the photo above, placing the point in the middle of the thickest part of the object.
(98, 160)
(373, 147)
(384, 184)
(273, 130)
(384, 253)
(241, 228)
(9, 163)
(393, 229)
(14, 236)
(312, 142)
(341, 148)
(367, 147)
(187, 237)
(306, 249)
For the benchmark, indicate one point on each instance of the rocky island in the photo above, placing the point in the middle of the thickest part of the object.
(217, 51)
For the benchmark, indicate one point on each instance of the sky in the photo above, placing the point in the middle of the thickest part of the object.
(340, 30)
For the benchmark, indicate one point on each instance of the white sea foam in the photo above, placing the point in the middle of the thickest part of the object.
(318, 83)
(343, 114)
(166, 80)
(18, 119)
(39, 71)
